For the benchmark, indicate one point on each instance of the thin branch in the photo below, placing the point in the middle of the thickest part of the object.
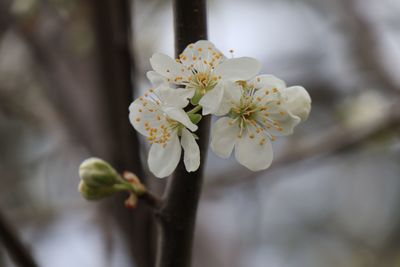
(151, 200)
(18, 252)
(176, 218)
(366, 45)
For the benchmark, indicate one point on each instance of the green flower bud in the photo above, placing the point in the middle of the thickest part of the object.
(98, 173)
(94, 193)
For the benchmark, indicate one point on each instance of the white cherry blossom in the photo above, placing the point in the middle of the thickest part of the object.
(257, 111)
(159, 116)
(201, 68)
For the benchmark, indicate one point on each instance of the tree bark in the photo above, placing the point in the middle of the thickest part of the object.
(176, 218)
(14, 245)
(112, 20)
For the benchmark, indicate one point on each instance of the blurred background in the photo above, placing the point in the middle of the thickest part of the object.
(331, 197)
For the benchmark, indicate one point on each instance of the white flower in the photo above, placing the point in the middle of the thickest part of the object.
(159, 116)
(257, 110)
(202, 68)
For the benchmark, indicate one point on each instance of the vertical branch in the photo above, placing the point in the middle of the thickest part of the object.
(178, 213)
(112, 21)
(113, 31)
(14, 246)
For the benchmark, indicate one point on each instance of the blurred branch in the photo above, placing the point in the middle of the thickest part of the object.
(365, 38)
(151, 200)
(66, 83)
(92, 95)
(14, 245)
(334, 140)
(112, 24)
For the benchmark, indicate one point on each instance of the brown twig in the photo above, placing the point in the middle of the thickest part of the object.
(151, 200)
(14, 245)
(366, 44)
(176, 218)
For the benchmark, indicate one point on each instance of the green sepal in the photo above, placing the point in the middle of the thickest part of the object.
(195, 118)
(195, 136)
(196, 98)
(95, 193)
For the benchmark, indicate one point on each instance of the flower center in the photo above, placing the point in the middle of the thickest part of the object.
(245, 115)
(203, 81)
(161, 133)
(245, 110)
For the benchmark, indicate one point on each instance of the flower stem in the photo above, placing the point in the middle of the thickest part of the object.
(195, 109)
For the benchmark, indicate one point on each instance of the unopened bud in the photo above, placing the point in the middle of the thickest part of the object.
(98, 173)
(94, 193)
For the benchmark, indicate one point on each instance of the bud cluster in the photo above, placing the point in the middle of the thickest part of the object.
(99, 180)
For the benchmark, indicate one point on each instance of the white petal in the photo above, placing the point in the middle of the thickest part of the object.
(199, 51)
(253, 155)
(165, 65)
(139, 114)
(212, 100)
(231, 97)
(269, 97)
(223, 136)
(268, 82)
(191, 151)
(286, 123)
(163, 160)
(175, 97)
(234, 69)
(298, 101)
(180, 115)
(155, 78)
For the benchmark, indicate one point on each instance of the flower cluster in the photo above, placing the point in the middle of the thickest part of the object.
(253, 109)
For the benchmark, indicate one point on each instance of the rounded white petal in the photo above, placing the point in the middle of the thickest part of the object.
(235, 69)
(252, 154)
(162, 161)
(165, 65)
(268, 82)
(175, 97)
(155, 78)
(298, 101)
(286, 123)
(191, 150)
(180, 115)
(212, 100)
(140, 114)
(231, 97)
(199, 51)
(223, 137)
